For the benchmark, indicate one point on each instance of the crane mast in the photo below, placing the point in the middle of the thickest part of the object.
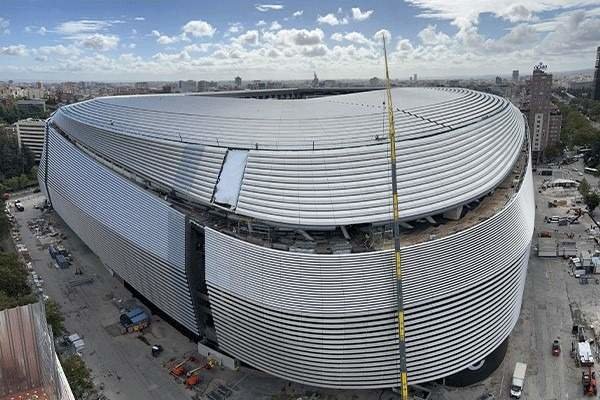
(403, 380)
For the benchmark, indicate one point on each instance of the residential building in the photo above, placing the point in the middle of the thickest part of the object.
(596, 94)
(539, 108)
(186, 86)
(30, 134)
(515, 75)
(32, 105)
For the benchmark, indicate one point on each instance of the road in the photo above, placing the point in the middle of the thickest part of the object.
(122, 365)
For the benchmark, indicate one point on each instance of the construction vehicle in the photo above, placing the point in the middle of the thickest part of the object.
(179, 369)
(556, 348)
(588, 381)
(192, 377)
(134, 320)
(518, 380)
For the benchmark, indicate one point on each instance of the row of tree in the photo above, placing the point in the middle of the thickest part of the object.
(17, 166)
(577, 129)
(591, 198)
(10, 114)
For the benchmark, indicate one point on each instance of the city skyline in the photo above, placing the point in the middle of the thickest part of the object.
(113, 41)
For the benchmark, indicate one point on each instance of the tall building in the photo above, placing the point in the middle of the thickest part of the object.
(515, 75)
(186, 86)
(238, 82)
(596, 94)
(30, 134)
(414, 77)
(539, 109)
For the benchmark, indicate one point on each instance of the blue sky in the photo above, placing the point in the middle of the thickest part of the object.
(184, 39)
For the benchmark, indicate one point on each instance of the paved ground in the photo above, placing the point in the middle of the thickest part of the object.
(124, 367)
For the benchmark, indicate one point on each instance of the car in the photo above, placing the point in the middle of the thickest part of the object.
(556, 348)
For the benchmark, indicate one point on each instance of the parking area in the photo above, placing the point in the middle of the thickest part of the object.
(124, 368)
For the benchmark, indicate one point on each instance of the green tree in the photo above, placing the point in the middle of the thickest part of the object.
(55, 318)
(13, 276)
(12, 302)
(4, 226)
(584, 187)
(592, 200)
(78, 376)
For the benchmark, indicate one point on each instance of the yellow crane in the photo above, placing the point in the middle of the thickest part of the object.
(403, 379)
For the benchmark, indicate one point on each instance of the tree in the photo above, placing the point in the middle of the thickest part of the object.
(54, 318)
(3, 218)
(78, 376)
(592, 200)
(584, 187)
(13, 277)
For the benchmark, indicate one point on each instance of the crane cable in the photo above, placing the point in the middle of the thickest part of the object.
(403, 380)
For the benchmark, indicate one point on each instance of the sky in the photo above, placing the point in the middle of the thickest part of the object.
(136, 40)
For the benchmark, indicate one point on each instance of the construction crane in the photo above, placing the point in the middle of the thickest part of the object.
(403, 379)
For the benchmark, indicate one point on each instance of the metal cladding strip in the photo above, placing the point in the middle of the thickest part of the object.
(134, 233)
(163, 139)
(328, 320)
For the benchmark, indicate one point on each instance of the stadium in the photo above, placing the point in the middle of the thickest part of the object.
(262, 226)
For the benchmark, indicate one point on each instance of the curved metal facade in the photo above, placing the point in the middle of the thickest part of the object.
(134, 233)
(330, 319)
(322, 319)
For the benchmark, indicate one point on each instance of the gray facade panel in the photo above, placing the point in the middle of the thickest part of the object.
(133, 232)
(330, 319)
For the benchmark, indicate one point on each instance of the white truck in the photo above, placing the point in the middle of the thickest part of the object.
(518, 380)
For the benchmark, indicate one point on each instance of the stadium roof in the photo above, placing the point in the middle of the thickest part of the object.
(311, 162)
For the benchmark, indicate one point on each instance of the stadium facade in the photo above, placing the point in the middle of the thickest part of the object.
(262, 227)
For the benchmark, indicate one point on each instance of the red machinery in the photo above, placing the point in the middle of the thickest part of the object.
(588, 380)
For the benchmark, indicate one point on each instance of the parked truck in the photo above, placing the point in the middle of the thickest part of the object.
(134, 321)
(518, 380)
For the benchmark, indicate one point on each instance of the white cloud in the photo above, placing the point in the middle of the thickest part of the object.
(382, 32)
(99, 42)
(465, 13)
(139, 19)
(354, 37)
(181, 56)
(82, 26)
(235, 27)
(34, 29)
(332, 19)
(261, 23)
(275, 26)
(431, 37)
(359, 15)
(295, 37)
(59, 50)
(268, 7)
(199, 28)
(4, 24)
(198, 47)
(298, 13)
(338, 37)
(247, 38)
(13, 50)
